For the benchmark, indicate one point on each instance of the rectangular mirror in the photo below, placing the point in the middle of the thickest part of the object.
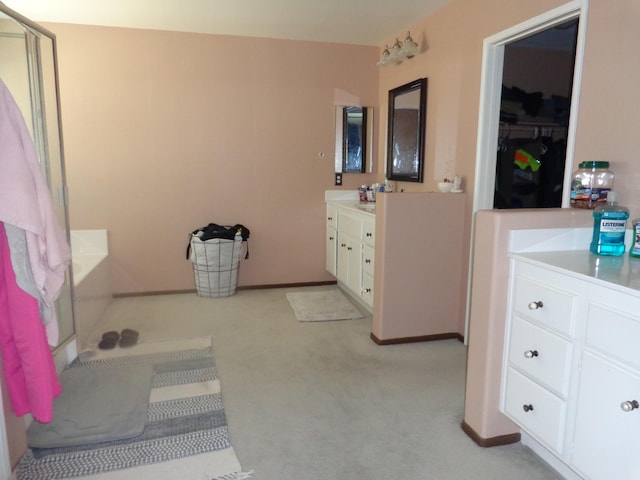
(354, 137)
(406, 131)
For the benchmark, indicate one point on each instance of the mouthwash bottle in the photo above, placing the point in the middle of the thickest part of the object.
(634, 251)
(609, 227)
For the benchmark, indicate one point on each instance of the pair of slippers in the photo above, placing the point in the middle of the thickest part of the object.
(126, 338)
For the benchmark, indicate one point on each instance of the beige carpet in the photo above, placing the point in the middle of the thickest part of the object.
(322, 306)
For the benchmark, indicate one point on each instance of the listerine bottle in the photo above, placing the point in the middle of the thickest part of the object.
(609, 227)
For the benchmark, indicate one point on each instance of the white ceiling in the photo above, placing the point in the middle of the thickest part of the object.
(359, 22)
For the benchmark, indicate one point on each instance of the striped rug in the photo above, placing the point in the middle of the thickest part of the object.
(185, 435)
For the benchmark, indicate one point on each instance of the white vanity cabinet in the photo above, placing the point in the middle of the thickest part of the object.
(351, 258)
(571, 373)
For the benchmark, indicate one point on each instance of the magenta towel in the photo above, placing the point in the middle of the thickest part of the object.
(30, 374)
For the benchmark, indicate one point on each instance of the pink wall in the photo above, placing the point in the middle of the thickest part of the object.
(608, 129)
(166, 132)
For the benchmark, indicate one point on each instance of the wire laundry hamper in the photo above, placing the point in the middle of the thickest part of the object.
(215, 265)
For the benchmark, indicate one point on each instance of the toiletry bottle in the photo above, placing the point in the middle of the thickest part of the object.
(362, 193)
(609, 227)
(634, 251)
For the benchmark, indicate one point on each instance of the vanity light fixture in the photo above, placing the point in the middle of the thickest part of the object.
(399, 52)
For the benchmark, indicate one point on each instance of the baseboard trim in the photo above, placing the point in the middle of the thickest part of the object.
(152, 293)
(489, 442)
(250, 287)
(288, 285)
(422, 338)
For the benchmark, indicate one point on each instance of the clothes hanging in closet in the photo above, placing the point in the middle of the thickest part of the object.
(529, 172)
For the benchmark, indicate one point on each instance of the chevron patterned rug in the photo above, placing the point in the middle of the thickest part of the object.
(185, 435)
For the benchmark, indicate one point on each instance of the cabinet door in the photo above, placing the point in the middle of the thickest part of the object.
(332, 217)
(369, 232)
(606, 436)
(331, 250)
(342, 264)
(367, 289)
(354, 277)
(368, 260)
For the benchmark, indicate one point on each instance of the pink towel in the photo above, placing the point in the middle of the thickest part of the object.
(25, 201)
(30, 373)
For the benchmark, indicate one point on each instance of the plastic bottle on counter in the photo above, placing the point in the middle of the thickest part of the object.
(362, 193)
(591, 184)
(609, 227)
(634, 251)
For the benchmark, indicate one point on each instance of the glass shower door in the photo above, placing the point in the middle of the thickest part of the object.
(28, 69)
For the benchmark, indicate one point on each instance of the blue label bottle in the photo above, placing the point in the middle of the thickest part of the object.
(609, 227)
(634, 251)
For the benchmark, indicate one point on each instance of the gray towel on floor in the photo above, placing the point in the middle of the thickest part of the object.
(96, 405)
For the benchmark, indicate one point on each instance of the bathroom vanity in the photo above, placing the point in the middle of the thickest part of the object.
(571, 373)
(400, 258)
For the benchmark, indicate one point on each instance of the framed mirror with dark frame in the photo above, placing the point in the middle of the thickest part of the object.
(406, 131)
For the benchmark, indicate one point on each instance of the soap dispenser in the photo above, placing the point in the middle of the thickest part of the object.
(609, 227)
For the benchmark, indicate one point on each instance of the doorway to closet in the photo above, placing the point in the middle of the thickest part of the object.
(495, 51)
(535, 107)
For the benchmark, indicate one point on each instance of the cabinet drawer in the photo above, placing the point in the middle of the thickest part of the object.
(332, 217)
(613, 331)
(544, 417)
(352, 226)
(368, 257)
(369, 233)
(545, 304)
(541, 355)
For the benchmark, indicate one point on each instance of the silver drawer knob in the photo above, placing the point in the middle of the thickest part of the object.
(367, 290)
(535, 305)
(531, 353)
(527, 407)
(629, 405)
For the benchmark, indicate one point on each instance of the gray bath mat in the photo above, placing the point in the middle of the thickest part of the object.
(96, 405)
(322, 305)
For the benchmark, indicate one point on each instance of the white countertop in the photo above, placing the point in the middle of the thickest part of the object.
(621, 273)
(368, 208)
